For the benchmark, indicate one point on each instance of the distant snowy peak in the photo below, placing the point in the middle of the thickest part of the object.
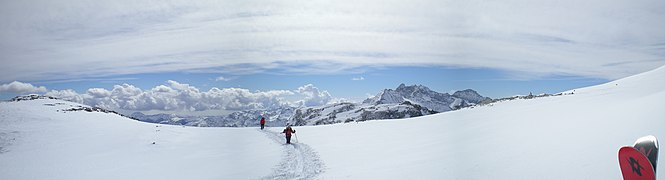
(470, 95)
(422, 95)
(399, 95)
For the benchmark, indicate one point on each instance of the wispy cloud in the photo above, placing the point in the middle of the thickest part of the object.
(222, 78)
(104, 80)
(71, 39)
(358, 78)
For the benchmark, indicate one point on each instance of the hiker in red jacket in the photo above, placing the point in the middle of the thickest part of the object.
(288, 132)
(263, 122)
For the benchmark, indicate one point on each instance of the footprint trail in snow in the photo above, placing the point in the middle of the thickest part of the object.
(299, 161)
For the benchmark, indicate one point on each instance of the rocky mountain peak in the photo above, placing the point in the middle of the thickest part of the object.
(422, 95)
(470, 95)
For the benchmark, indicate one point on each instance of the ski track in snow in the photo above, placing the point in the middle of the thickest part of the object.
(299, 161)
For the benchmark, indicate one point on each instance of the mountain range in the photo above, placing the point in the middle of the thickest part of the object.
(402, 102)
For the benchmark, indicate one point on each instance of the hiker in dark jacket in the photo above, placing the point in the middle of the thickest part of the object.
(263, 122)
(288, 132)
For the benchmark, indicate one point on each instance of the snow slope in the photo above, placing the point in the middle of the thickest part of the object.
(47, 144)
(563, 137)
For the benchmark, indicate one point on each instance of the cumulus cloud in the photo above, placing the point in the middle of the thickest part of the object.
(99, 92)
(176, 96)
(313, 96)
(70, 95)
(20, 87)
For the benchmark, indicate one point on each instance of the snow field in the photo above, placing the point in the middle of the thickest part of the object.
(81, 145)
(565, 137)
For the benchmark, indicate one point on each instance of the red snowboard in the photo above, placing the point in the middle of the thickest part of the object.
(634, 165)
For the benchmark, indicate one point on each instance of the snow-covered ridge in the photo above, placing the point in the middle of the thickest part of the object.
(30, 97)
(67, 106)
(70, 108)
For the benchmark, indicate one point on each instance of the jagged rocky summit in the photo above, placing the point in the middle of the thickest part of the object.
(423, 96)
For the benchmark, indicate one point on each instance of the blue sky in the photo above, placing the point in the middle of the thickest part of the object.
(355, 86)
(170, 55)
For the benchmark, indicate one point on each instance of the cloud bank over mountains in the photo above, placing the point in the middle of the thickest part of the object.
(175, 96)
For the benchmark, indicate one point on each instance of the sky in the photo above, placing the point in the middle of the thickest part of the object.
(191, 55)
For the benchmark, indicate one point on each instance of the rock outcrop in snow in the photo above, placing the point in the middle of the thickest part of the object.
(30, 97)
